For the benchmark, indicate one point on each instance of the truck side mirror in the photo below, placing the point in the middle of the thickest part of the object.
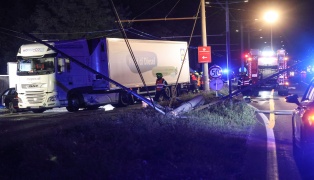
(61, 65)
(293, 99)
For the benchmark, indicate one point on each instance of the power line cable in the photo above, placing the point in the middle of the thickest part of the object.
(15, 36)
(130, 50)
(141, 32)
(148, 9)
(188, 45)
(172, 9)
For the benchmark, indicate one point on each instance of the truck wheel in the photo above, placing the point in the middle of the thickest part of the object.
(73, 104)
(38, 110)
(123, 99)
(131, 99)
(11, 108)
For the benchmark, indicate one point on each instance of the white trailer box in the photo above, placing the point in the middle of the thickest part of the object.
(152, 57)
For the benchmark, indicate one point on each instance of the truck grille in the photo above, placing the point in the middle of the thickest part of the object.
(35, 97)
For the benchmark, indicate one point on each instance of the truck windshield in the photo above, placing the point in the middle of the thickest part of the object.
(35, 66)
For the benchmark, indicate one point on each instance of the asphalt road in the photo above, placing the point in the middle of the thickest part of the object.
(273, 133)
(20, 126)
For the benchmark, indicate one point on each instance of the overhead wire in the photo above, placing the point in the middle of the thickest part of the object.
(172, 9)
(188, 45)
(148, 9)
(130, 50)
(19, 37)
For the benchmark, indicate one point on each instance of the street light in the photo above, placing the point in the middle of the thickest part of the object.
(271, 17)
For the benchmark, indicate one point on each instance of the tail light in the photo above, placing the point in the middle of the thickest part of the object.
(310, 119)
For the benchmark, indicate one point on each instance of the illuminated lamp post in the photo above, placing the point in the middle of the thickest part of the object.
(271, 17)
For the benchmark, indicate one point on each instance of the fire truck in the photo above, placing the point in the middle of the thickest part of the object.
(264, 69)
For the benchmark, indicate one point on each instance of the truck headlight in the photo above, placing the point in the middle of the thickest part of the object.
(52, 98)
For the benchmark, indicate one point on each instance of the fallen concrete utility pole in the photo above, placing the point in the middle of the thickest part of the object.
(187, 106)
(150, 103)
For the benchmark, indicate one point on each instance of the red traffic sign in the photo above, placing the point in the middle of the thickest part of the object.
(204, 54)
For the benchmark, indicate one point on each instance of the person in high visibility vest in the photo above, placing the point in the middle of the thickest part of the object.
(161, 85)
(201, 77)
(243, 82)
(194, 81)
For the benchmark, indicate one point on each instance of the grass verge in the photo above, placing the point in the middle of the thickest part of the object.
(208, 144)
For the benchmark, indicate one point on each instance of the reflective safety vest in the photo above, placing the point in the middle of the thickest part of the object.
(246, 81)
(193, 77)
(199, 80)
(160, 84)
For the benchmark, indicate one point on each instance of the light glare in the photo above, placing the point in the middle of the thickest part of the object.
(271, 16)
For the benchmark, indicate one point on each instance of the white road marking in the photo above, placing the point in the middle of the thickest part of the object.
(272, 164)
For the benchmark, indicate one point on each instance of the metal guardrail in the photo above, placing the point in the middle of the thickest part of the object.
(276, 112)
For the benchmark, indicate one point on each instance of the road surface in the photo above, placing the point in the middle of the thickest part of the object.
(277, 162)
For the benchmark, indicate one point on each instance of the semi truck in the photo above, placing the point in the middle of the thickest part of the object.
(262, 67)
(47, 79)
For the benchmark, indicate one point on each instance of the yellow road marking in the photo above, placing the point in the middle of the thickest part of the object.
(272, 169)
(271, 123)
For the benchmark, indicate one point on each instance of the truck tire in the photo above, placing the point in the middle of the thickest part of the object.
(11, 108)
(131, 99)
(123, 100)
(73, 103)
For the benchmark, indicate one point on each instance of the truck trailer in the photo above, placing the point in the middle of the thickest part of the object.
(47, 79)
(262, 67)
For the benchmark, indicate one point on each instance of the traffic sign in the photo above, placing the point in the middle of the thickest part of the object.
(204, 54)
(215, 71)
(216, 84)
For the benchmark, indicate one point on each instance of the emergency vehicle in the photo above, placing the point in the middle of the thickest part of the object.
(263, 68)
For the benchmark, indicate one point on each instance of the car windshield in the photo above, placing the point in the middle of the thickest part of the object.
(35, 66)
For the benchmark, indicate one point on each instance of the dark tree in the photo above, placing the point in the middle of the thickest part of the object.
(58, 19)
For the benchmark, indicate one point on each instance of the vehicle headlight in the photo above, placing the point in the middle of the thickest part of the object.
(52, 98)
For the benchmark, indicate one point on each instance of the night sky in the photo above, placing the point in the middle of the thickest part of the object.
(294, 31)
